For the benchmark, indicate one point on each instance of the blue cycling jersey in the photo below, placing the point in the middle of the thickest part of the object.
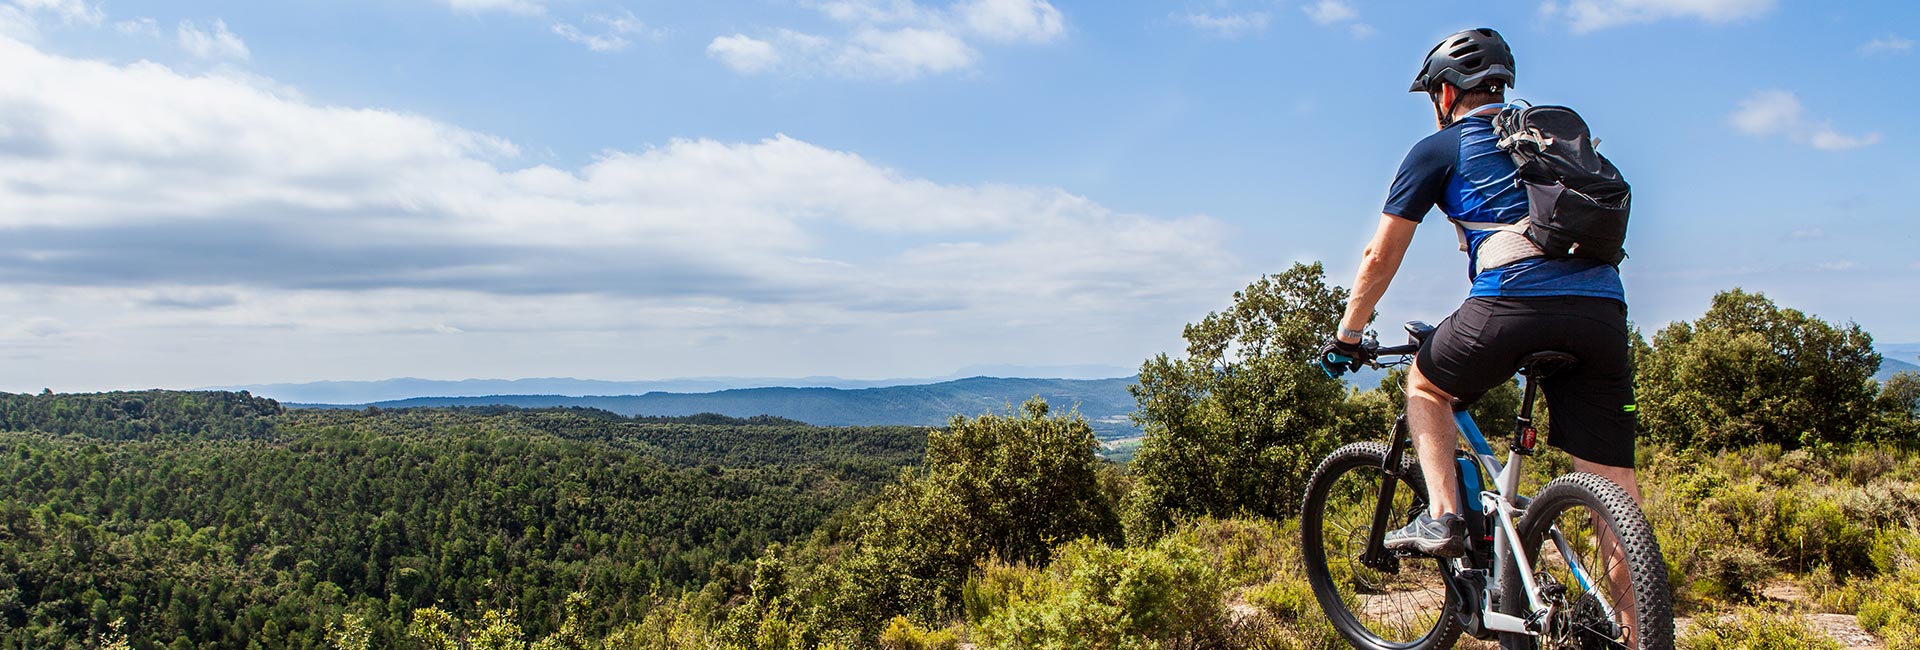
(1461, 170)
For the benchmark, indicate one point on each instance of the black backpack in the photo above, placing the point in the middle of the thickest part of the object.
(1577, 201)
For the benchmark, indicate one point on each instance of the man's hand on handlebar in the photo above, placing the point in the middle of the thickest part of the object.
(1339, 357)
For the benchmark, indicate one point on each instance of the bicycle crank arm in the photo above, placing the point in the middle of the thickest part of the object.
(1499, 622)
(1466, 585)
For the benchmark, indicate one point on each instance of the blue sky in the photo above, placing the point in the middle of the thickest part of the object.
(234, 192)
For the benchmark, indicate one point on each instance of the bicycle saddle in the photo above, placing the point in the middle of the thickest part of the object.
(1419, 331)
(1545, 362)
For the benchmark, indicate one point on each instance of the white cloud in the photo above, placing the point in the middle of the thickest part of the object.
(219, 210)
(1328, 12)
(625, 23)
(21, 18)
(892, 54)
(138, 27)
(17, 23)
(1591, 15)
(1227, 25)
(612, 32)
(219, 43)
(1034, 21)
(873, 11)
(896, 40)
(523, 7)
(1824, 137)
(1780, 113)
(902, 54)
(69, 11)
(745, 54)
(1888, 44)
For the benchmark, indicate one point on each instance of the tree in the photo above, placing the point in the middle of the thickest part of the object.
(996, 486)
(1004, 486)
(1237, 424)
(1750, 371)
(1899, 404)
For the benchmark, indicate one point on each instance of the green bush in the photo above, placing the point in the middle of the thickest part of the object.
(1756, 629)
(1734, 573)
(1889, 604)
(1892, 611)
(1731, 520)
(1096, 596)
(902, 634)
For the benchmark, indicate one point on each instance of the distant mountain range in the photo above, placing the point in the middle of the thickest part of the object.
(1897, 357)
(366, 392)
(827, 401)
(1104, 402)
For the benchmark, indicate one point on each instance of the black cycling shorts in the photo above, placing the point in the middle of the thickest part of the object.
(1591, 403)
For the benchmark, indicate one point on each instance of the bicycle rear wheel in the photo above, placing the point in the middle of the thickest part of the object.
(1403, 606)
(1599, 527)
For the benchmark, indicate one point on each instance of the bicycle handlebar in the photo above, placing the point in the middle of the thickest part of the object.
(1398, 350)
(1374, 352)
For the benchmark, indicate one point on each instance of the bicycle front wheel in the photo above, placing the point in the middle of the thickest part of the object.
(1401, 605)
(1596, 563)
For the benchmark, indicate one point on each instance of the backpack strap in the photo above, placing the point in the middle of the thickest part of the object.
(1506, 245)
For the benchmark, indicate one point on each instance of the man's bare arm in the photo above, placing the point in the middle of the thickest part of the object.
(1377, 267)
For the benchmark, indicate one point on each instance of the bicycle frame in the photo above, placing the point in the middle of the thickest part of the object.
(1471, 582)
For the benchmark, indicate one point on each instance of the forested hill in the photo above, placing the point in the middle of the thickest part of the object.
(225, 520)
(1104, 402)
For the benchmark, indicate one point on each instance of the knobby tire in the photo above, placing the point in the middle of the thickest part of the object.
(1647, 572)
(1360, 464)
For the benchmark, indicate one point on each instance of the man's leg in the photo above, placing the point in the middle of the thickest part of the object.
(1456, 355)
(1441, 531)
(1430, 418)
(1620, 475)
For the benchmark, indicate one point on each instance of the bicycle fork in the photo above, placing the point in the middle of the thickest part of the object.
(1376, 556)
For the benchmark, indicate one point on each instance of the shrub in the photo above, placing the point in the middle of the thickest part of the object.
(1734, 573)
(1095, 596)
(1756, 629)
(1730, 520)
(902, 634)
(1889, 604)
(1892, 611)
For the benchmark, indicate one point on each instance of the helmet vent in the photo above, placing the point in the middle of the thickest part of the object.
(1470, 48)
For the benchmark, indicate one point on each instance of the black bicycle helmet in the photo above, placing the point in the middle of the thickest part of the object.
(1468, 60)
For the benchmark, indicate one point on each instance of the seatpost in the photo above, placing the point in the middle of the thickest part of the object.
(1524, 435)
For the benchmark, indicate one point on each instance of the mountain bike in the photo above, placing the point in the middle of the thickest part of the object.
(1527, 578)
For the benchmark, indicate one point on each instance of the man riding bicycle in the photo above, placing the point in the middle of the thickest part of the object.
(1520, 302)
